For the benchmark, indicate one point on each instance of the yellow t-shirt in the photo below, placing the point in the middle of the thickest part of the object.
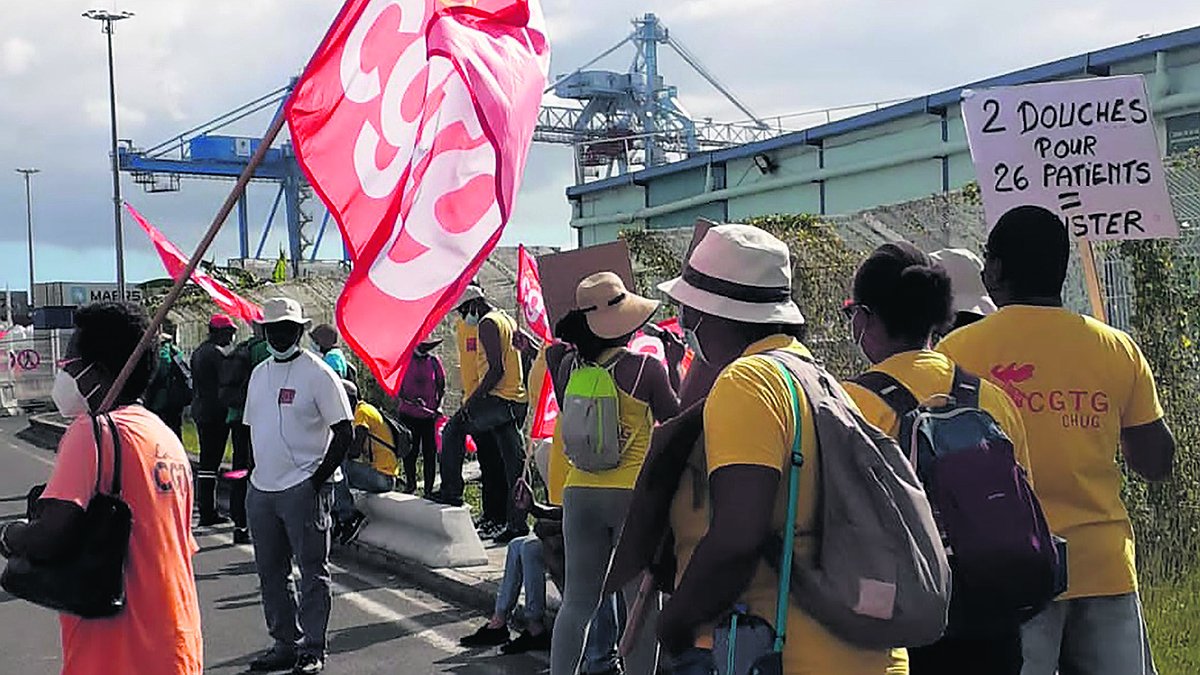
(927, 374)
(559, 466)
(1076, 383)
(751, 394)
(380, 443)
(512, 386)
(466, 337)
(636, 423)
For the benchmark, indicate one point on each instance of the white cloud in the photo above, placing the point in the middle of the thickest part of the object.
(16, 55)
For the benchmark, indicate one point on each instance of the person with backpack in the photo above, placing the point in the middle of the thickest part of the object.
(1083, 389)
(611, 400)
(372, 464)
(901, 298)
(235, 379)
(761, 468)
(418, 406)
(170, 388)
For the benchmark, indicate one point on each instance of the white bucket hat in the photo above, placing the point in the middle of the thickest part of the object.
(472, 292)
(278, 310)
(738, 272)
(964, 268)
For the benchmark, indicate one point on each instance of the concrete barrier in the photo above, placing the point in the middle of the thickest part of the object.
(420, 530)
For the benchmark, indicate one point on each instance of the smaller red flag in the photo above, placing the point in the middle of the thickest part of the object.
(175, 261)
(546, 414)
(529, 295)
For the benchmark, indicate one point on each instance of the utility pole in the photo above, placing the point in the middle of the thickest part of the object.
(107, 19)
(28, 174)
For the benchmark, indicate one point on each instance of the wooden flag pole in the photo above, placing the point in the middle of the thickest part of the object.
(231, 201)
(1091, 277)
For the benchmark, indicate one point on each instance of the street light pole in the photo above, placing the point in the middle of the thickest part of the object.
(107, 19)
(28, 173)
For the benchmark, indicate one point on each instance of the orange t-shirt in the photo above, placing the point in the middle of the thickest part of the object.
(158, 633)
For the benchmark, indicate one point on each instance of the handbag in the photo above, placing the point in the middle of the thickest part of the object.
(487, 413)
(89, 582)
(522, 492)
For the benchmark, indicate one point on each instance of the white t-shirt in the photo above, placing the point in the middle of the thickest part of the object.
(289, 409)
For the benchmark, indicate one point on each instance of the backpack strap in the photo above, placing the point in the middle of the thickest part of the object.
(115, 489)
(965, 388)
(888, 388)
(789, 528)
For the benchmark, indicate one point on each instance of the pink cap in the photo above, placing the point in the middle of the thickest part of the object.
(220, 321)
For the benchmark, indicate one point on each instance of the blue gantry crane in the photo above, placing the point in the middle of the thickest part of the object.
(624, 121)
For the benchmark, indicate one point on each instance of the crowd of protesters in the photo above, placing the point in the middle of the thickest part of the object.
(669, 502)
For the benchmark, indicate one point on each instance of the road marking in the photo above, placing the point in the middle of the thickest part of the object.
(27, 453)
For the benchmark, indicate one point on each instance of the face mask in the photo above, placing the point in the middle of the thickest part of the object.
(858, 340)
(471, 319)
(285, 354)
(693, 341)
(66, 396)
(226, 350)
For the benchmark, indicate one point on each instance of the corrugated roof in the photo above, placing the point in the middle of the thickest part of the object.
(1093, 63)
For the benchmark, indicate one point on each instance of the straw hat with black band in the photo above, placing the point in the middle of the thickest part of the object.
(741, 273)
(612, 311)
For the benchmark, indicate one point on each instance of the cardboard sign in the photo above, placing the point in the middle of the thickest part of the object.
(701, 228)
(1085, 149)
(562, 272)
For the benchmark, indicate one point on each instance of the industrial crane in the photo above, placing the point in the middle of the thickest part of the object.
(624, 121)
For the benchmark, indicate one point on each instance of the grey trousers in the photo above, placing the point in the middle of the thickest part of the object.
(294, 523)
(592, 520)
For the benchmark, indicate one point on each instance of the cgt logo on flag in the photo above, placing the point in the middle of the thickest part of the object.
(529, 295)
(413, 122)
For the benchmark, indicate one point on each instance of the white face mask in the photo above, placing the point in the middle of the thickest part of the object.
(285, 354)
(66, 396)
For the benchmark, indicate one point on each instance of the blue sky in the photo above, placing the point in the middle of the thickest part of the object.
(182, 62)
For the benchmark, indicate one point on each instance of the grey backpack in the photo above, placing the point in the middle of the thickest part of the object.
(880, 578)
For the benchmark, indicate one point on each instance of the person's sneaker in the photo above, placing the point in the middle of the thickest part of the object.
(211, 519)
(506, 535)
(308, 664)
(527, 642)
(489, 530)
(350, 529)
(241, 535)
(486, 637)
(275, 659)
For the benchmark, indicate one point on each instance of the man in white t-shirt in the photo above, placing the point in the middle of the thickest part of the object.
(300, 429)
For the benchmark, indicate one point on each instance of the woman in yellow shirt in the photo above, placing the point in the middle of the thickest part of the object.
(901, 297)
(735, 294)
(595, 503)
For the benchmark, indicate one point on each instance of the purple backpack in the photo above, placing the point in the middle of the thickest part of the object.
(1005, 563)
(420, 394)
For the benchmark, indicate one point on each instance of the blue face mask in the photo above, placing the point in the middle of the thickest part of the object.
(693, 341)
(471, 319)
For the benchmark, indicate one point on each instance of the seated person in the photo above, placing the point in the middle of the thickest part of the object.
(370, 466)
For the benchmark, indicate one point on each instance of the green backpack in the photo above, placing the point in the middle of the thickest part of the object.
(590, 423)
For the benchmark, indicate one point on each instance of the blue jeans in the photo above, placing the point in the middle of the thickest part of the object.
(360, 477)
(524, 566)
(1088, 636)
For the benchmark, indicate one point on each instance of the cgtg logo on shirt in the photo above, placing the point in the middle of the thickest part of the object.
(1079, 408)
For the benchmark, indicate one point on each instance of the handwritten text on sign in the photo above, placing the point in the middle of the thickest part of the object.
(1085, 149)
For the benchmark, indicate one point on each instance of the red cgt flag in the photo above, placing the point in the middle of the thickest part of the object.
(529, 295)
(413, 121)
(175, 261)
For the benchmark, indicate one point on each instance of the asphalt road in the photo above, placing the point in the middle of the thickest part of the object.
(379, 625)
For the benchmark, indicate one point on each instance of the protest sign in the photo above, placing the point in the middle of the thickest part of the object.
(562, 272)
(1085, 149)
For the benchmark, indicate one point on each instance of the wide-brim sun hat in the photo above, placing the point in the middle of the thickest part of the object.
(964, 269)
(472, 292)
(612, 311)
(738, 272)
(280, 310)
